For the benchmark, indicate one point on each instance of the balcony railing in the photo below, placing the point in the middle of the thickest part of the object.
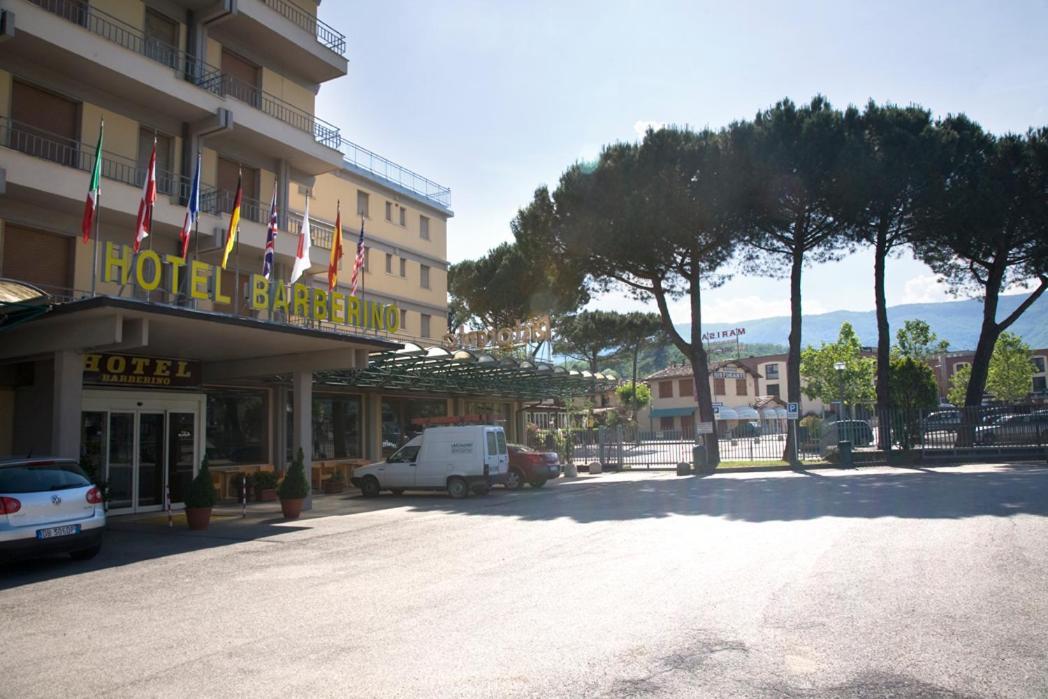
(74, 154)
(321, 234)
(220, 202)
(336, 41)
(374, 163)
(190, 68)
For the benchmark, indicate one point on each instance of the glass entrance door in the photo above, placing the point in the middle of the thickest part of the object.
(149, 469)
(181, 438)
(121, 461)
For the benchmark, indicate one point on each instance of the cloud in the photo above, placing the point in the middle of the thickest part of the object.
(641, 126)
(924, 288)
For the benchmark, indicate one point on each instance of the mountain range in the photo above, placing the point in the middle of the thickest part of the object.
(955, 321)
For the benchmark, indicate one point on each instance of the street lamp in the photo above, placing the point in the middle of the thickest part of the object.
(840, 366)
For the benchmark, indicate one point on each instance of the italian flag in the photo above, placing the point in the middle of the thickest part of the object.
(91, 204)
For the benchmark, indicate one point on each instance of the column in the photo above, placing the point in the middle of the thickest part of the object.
(512, 430)
(280, 434)
(302, 423)
(67, 393)
(373, 425)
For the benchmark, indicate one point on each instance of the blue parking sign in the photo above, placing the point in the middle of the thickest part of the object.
(793, 411)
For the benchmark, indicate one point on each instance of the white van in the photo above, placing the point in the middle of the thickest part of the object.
(460, 459)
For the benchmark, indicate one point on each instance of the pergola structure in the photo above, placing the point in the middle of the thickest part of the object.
(20, 302)
(462, 372)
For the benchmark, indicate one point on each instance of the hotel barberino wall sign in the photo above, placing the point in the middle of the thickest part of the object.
(532, 331)
(123, 370)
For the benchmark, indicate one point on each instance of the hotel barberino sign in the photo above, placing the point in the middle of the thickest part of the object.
(202, 281)
(535, 330)
(130, 371)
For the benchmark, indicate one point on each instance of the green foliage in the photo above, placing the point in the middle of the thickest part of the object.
(590, 336)
(915, 340)
(1011, 371)
(294, 486)
(913, 384)
(634, 396)
(823, 381)
(202, 490)
(265, 480)
(959, 385)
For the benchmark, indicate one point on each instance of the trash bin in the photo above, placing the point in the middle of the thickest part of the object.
(844, 452)
(698, 456)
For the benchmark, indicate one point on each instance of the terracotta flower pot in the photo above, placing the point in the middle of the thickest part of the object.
(292, 508)
(266, 495)
(198, 517)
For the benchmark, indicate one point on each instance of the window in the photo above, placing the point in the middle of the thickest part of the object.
(771, 372)
(666, 423)
(37, 257)
(237, 424)
(423, 227)
(336, 427)
(686, 387)
(959, 365)
(403, 267)
(740, 387)
(389, 211)
(718, 387)
(403, 216)
(493, 445)
(665, 389)
(367, 259)
(242, 79)
(1038, 365)
(389, 263)
(425, 325)
(423, 273)
(773, 390)
(1040, 384)
(161, 38)
(363, 204)
(47, 125)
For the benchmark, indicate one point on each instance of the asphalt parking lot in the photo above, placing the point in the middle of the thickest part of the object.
(870, 582)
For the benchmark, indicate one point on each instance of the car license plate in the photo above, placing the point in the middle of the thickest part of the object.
(52, 532)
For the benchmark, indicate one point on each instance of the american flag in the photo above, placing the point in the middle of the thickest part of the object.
(358, 264)
(271, 236)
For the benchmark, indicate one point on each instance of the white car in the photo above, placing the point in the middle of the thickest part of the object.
(459, 459)
(49, 506)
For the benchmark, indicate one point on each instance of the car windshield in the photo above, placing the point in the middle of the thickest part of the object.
(405, 454)
(41, 477)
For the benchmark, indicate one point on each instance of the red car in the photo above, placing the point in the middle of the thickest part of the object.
(529, 466)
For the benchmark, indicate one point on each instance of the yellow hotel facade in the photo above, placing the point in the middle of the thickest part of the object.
(133, 373)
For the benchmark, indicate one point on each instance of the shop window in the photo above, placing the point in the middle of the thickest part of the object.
(686, 387)
(423, 274)
(363, 204)
(237, 427)
(665, 389)
(666, 423)
(336, 427)
(771, 372)
(773, 390)
(718, 387)
(423, 227)
(740, 387)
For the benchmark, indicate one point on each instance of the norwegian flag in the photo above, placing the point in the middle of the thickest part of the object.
(358, 264)
(271, 236)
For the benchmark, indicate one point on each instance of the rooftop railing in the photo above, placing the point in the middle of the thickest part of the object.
(372, 162)
(332, 39)
(190, 68)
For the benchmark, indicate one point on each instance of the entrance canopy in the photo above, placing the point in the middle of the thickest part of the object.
(672, 412)
(437, 370)
(20, 302)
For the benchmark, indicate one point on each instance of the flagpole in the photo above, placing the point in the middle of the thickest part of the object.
(94, 254)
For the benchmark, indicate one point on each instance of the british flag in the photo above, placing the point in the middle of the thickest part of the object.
(271, 236)
(358, 264)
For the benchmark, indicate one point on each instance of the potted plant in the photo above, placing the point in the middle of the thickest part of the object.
(200, 498)
(294, 488)
(265, 483)
(335, 485)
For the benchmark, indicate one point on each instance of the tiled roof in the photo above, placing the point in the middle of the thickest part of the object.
(749, 365)
(671, 372)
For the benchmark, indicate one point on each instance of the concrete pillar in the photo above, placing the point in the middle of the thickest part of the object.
(67, 393)
(302, 423)
(280, 434)
(373, 425)
(513, 419)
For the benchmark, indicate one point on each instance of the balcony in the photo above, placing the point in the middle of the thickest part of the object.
(294, 40)
(184, 87)
(371, 164)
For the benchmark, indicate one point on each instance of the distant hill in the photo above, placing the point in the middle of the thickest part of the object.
(955, 321)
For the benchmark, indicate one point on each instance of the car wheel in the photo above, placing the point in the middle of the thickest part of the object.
(514, 479)
(369, 487)
(397, 491)
(538, 483)
(86, 554)
(458, 488)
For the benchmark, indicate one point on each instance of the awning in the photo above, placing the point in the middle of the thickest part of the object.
(727, 414)
(747, 413)
(20, 302)
(672, 412)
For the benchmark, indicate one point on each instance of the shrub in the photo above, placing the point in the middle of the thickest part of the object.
(202, 490)
(294, 486)
(265, 480)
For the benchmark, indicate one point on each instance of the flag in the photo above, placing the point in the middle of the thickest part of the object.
(145, 207)
(336, 248)
(302, 256)
(234, 222)
(93, 190)
(271, 236)
(192, 210)
(358, 264)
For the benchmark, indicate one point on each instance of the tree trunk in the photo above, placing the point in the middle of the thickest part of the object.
(701, 372)
(884, 340)
(988, 335)
(633, 408)
(793, 357)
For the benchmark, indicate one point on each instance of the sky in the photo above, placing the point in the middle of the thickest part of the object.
(496, 98)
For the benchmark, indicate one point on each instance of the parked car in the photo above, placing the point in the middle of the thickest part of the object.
(460, 459)
(526, 465)
(49, 506)
(747, 429)
(858, 432)
(1014, 429)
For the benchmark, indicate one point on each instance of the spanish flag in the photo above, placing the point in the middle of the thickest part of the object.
(234, 222)
(336, 249)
